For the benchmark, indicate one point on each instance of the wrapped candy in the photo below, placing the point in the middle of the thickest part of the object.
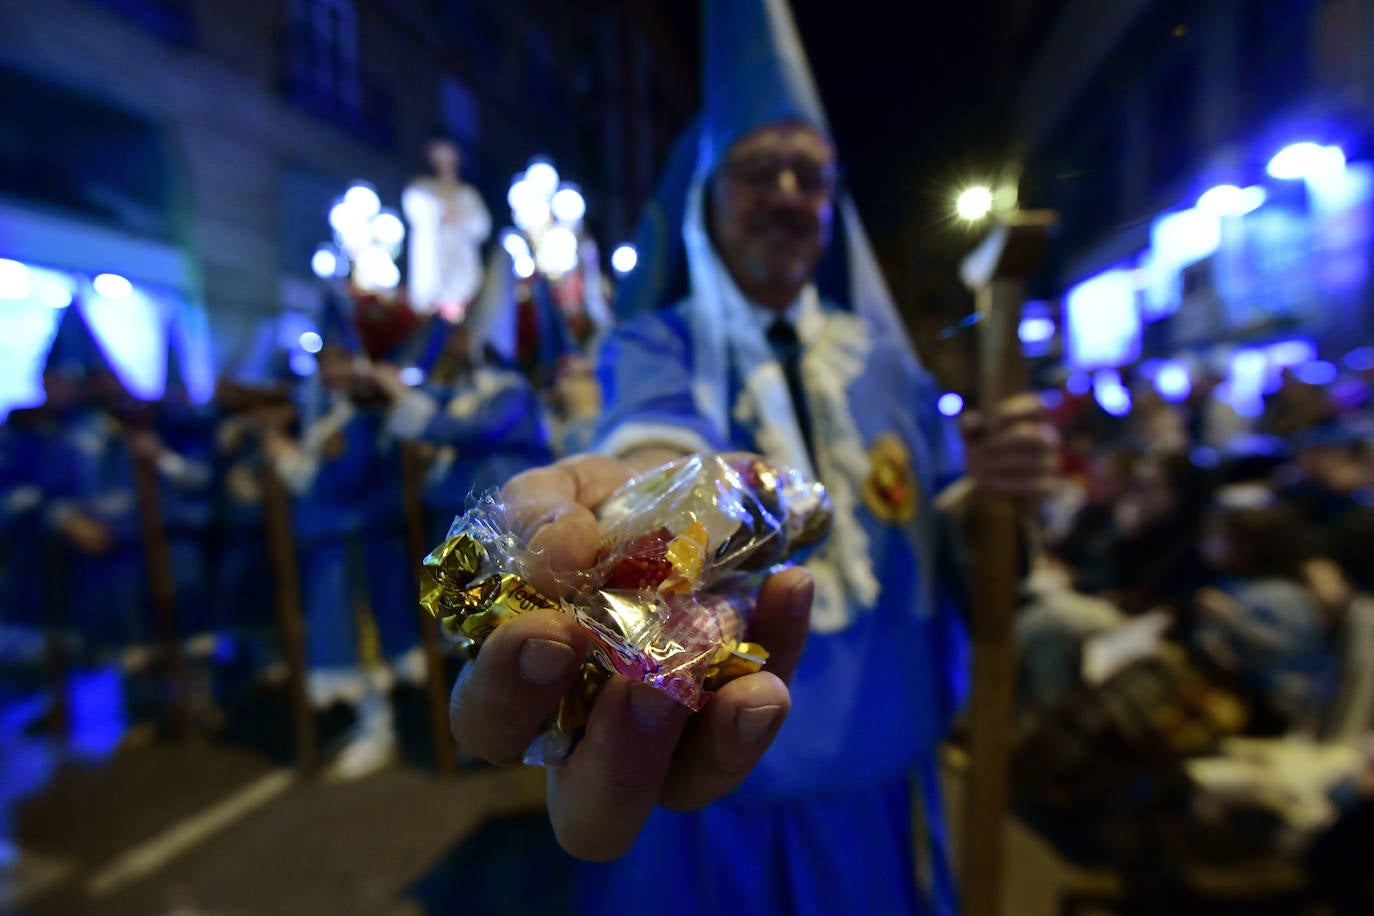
(684, 549)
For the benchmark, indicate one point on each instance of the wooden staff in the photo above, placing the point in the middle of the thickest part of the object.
(161, 586)
(414, 466)
(276, 512)
(55, 641)
(996, 271)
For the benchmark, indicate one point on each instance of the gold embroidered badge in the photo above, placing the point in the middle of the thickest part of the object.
(891, 492)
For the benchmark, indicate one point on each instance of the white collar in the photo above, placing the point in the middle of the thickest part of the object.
(764, 316)
(801, 314)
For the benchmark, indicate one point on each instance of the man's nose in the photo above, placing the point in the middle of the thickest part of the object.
(787, 186)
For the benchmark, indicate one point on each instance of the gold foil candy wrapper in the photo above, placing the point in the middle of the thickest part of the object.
(735, 660)
(469, 599)
(576, 706)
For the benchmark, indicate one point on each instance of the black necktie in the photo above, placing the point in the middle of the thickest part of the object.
(787, 348)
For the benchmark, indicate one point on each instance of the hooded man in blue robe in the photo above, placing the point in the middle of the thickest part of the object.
(344, 473)
(242, 593)
(33, 474)
(183, 454)
(774, 799)
(94, 510)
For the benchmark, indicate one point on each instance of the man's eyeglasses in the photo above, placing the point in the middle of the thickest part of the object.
(764, 172)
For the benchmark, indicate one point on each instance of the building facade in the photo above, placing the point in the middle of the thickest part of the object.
(195, 146)
(1155, 129)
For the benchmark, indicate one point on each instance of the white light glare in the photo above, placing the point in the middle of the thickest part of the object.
(112, 286)
(624, 259)
(362, 200)
(387, 229)
(352, 229)
(568, 205)
(303, 364)
(515, 244)
(374, 269)
(542, 177)
(557, 251)
(1229, 200)
(14, 280)
(1035, 330)
(950, 404)
(1360, 359)
(324, 263)
(532, 214)
(1318, 372)
(524, 267)
(411, 375)
(1113, 396)
(311, 342)
(974, 203)
(1306, 160)
(1172, 382)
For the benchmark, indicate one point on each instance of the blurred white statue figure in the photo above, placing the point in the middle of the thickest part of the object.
(448, 224)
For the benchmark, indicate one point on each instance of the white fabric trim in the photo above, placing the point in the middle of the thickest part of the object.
(726, 331)
(298, 469)
(410, 415)
(411, 667)
(486, 384)
(327, 686)
(22, 499)
(332, 422)
(59, 512)
(181, 471)
(633, 436)
(113, 503)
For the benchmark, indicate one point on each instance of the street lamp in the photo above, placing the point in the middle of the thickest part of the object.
(974, 203)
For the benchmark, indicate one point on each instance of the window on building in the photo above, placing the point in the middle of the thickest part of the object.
(67, 150)
(1274, 60)
(170, 20)
(458, 111)
(1173, 122)
(323, 52)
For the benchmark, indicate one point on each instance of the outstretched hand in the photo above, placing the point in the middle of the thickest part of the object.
(640, 747)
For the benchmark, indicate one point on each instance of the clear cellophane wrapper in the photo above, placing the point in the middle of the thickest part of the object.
(684, 549)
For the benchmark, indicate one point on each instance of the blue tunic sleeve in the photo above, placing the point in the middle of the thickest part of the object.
(645, 373)
(505, 417)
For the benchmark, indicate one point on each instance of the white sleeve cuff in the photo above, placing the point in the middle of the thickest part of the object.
(297, 471)
(22, 499)
(409, 416)
(181, 472)
(630, 437)
(59, 512)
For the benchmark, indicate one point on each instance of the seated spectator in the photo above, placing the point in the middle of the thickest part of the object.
(1155, 556)
(1087, 547)
(1259, 619)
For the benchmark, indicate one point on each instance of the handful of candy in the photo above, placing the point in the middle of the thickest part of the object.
(684, 550)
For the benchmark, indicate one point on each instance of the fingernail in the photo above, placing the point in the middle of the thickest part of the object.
(802, 593)
(539, 524)
(650, 707)
(753, 722)
(543, 661)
